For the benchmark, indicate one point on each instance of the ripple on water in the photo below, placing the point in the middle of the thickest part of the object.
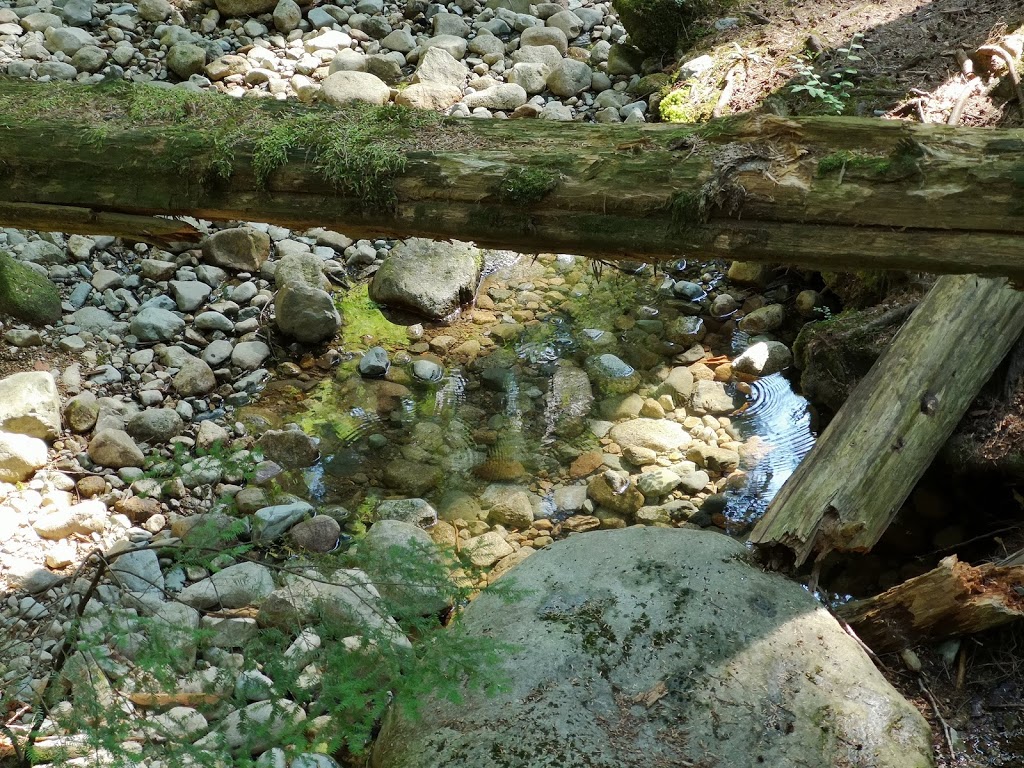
(781, 420)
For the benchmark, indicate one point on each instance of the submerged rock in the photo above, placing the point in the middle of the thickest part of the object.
(669, 636)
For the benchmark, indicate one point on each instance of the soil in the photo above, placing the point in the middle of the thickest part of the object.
(908, 69)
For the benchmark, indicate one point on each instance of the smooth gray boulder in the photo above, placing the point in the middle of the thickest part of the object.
(427, 277)
(240, 248)
(647, 647)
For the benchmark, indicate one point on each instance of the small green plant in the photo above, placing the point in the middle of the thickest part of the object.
(526, 186)
(830, 91)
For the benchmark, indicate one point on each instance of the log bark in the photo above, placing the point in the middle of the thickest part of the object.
(864, 466)
(830, 193)
(956, 598)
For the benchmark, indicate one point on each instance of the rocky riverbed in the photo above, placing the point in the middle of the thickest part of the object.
(558, 401)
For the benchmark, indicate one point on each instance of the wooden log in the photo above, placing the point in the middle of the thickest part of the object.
(84, 221)
(956, 598)
(831, 193)
(864, 466)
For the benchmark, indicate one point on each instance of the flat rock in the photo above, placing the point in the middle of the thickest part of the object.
(682, 620)
(659, 435)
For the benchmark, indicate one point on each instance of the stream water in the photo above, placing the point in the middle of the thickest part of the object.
(523, 388)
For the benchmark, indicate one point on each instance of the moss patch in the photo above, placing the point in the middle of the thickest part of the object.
(363, 318)
(26, 294)
(526, 186)
(358, 148)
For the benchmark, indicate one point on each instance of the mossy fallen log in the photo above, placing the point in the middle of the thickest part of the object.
(831, 193)
(864, 466)
(955, 598)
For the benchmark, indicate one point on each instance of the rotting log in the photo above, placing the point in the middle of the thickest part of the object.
(956, 598)
(830, 193)
(864, 466)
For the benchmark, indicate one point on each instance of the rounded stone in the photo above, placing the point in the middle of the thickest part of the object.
(346, 87)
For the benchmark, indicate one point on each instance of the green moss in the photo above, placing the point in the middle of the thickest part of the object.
(688, 104)
(358, 148)
(901, 163)
(363, 318)
(26, 294)
(526, 186)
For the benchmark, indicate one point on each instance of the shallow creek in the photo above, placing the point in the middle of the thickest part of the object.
(523, 389)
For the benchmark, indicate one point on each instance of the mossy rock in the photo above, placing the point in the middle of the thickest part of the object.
(657, 26)
(835, 354)
(26, 294)
(649, 84)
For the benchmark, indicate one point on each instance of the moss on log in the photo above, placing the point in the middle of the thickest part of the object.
(832, 193)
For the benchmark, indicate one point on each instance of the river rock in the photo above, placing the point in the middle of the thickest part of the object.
(303, 309)
(20, 456)
(115, 448)
(538, 36)
(763, 359)
(318, 534)
(346, 86)
(374, 362)
(194, 378)
(234, 587)
(30, 405)
(156, 324)
(710, 397)
(620, 496)
(346, 598)
(763, 320)
(510, 506)
(569, 401)
(441, 68)
(505, 96)
(657, 434)
(84, 518)
(624, 611)
(412, 511)
(27, 295)
(155, 425)
(257, 726)
(657, 482)
(487, 549)
(428, 277)
(392, 545)
(274, 521)
(435, 96)
(569, 78)
(245, 7)
(81, 412)
(291, 448)
(242, 249)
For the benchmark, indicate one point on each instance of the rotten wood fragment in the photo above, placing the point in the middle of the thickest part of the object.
(956, 598)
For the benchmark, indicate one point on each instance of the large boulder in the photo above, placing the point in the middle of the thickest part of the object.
(27, 295)
(427, 277)
(241, 248)
(20, 456)
(30, 405)
(303, 309)
(656, 26)
(662, 647)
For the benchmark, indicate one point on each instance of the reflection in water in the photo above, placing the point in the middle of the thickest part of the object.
(778, 424)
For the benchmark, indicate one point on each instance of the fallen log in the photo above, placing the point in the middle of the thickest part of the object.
(830, 193)
(956, 598)
(864, 466)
